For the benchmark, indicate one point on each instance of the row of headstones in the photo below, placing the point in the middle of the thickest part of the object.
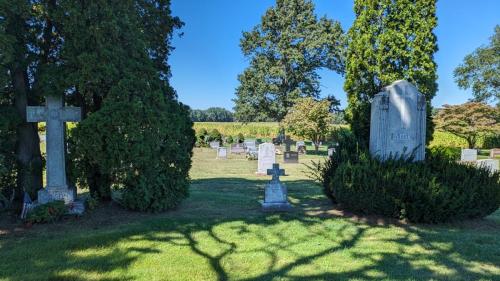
(250, 147)
(470, 155)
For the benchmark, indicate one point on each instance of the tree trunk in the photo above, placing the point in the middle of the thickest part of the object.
(29, 177)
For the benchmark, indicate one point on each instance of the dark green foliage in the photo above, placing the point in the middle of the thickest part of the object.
(47, 213)
(480, 71)
(285, 51)
(201, 138)
(214, 135)
(142, 146)
(8, 163)
(450, 153)
(229, 140)
(491, 141)
(436, 190)
(212, 114)
(241, 138)
(388, 41)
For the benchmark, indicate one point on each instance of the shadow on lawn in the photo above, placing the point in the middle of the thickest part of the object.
(221, 237)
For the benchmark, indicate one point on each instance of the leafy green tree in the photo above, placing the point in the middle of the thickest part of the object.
(285, 51)
(212, 114)
(388, 41)
(480, 71)
(309, 119)
(469, 121)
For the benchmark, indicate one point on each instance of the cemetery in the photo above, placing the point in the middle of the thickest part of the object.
(110, 171)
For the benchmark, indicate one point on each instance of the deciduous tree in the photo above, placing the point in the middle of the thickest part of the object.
(309, 119)
(469, 121)
(480, 71)
(285, 51)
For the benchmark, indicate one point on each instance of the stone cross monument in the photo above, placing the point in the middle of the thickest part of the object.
(54, 114)
(398, 121)
(276, 193)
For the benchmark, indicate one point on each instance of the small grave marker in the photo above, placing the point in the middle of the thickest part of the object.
(276, 193)
(468, 155)
(221, 153)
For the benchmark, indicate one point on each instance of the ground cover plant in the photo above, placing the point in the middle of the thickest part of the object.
(219, 233)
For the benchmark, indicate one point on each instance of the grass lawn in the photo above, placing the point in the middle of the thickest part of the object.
(219, 233)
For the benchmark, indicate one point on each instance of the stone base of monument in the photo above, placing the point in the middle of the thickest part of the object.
(68, 195)
(275, 197)
(276, 207)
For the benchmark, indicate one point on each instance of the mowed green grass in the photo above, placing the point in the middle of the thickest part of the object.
(219, 233)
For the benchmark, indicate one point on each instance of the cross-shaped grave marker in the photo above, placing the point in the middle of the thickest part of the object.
(288, 142)
(54, 114)
(276, 172)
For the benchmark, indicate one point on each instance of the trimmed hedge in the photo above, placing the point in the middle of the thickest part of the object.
(436, 190)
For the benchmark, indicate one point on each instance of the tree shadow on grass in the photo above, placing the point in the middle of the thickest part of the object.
(222, 225)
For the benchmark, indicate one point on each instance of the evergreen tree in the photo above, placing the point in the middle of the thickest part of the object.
(389, 40)
(285, 50)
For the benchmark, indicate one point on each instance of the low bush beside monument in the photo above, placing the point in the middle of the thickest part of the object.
(431, 191)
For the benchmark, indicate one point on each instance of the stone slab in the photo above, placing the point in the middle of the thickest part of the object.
(468, 155)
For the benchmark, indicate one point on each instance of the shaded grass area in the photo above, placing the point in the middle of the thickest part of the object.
(219, 233)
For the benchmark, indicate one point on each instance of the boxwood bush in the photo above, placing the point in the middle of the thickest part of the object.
(435, 190)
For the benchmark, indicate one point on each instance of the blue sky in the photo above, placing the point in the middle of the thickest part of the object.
(207, 58)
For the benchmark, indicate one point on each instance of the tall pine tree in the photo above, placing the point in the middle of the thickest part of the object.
(285, 50)
(389, 40)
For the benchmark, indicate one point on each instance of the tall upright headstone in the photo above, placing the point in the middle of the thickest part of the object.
(267, 157)
(55, 114)
(398, 122)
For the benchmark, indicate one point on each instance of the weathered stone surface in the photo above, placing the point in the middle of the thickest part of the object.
(468, 155)
(54, 114)
(276, 193)
(237, 148)
(221, 153)
(291, 157)
(398, 122)
(214, 144)
(267, 157)
(494, 152)
(331, 151)
(490, 164)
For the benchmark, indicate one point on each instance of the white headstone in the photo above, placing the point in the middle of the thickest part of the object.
(267, 157)
(490, 164)
(214, 144)
(398, 121)
(221, 153)
(331, 151)
(468, 155)
(55, 114)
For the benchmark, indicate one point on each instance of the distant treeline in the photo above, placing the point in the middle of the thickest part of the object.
(212, 114)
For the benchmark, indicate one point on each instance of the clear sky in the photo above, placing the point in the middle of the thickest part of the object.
(207, 58)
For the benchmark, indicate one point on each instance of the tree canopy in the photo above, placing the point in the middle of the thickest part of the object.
(212, 114)
(388, 41)
(309, 119)
(480, 71)
(285, 51)
(469, 121)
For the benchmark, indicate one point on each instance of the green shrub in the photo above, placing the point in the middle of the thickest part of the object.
(214, 135)
(229, 139)
(435, 190)
(141, 146)
(450, 153)
(46, 213)
(491, 141)
(241, 138)
(201, 138)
